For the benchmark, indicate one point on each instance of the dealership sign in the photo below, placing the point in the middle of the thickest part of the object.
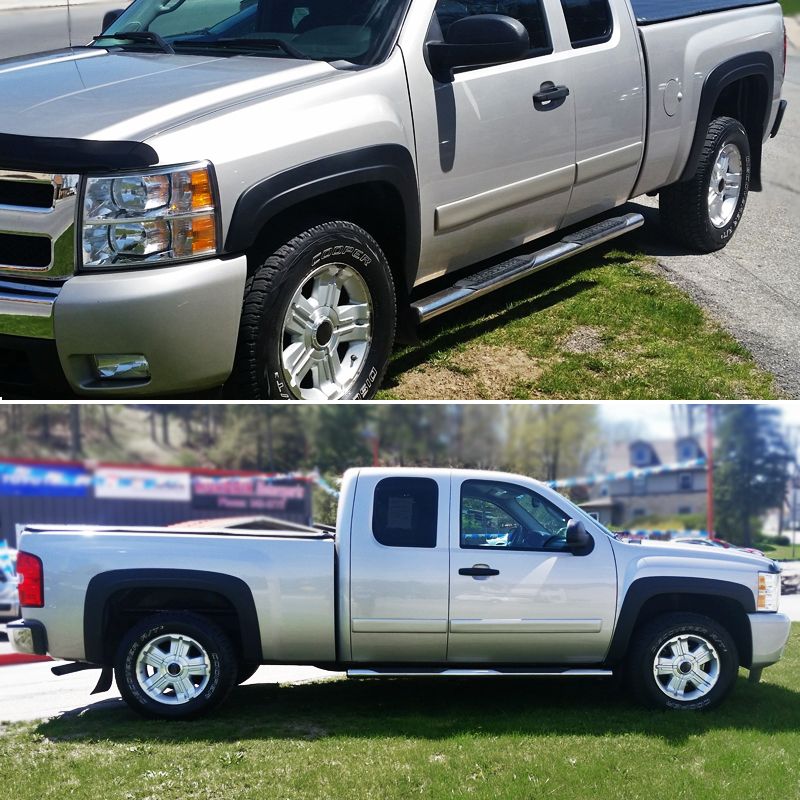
(142, 484)
(28, 481)
(250, 493)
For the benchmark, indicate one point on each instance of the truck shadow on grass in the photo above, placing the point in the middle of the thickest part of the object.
(436, 710)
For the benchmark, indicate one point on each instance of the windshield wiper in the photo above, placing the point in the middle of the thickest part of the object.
(140, 36)
(233, 43)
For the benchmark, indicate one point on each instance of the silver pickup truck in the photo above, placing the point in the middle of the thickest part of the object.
(427, 573)
(262, 193)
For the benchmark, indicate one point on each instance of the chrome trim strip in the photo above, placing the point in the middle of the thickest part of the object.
(526, 625)
(398, 625)
(500, 275)
(478, 673)
(27, 311)
(469, 209)
(606, 163)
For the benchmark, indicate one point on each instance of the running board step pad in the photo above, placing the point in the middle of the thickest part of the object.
(478, 673)
(500, 275)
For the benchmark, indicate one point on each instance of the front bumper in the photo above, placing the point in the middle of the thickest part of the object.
(769, 632)
(184, 319)
(28, 636)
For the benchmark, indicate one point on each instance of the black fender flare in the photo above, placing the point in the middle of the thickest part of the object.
(644, 589)
(742, 66)
(102, 586)
(390, 164)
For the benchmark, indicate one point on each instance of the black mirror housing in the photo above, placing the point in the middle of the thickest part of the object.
(480, 40)
(579, 542)
(110, 17)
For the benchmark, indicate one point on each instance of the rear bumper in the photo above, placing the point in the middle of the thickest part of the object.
(770, 632)
(28, 636)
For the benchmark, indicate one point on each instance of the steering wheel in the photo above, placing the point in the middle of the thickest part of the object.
(561, 534)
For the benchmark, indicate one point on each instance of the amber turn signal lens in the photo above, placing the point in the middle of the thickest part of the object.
(204, 234)
(201, 189)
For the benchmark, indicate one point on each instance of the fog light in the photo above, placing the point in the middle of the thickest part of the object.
(121, 367)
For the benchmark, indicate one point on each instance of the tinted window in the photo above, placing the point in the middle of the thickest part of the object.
(405, 511)
(588, 21)
(499, 515)
(529, 12)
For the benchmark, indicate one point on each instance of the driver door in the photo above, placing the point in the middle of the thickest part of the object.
(541, 604)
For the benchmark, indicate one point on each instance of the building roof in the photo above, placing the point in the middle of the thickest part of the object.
(618, 457)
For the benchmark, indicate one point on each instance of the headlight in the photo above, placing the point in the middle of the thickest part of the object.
(769, 591)
(166, 214)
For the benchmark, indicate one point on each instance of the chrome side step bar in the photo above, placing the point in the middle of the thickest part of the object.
(478, 673)
(500, 275)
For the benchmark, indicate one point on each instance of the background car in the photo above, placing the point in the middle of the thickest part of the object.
(9, 595)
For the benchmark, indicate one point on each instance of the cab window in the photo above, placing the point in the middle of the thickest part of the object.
(588, 21)
(405, 511)
(499, 515)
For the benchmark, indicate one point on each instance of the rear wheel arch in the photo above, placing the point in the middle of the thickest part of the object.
(726, 602)
(740, 88)
(119, 598)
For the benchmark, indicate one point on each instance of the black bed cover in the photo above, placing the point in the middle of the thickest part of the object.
(650, 11)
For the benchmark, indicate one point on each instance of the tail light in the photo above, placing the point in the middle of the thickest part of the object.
(31, 580)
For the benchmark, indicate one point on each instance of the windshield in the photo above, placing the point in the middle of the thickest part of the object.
(356, 31)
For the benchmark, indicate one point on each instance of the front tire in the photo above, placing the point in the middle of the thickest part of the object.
(704, 212)
(318, 320)
(682, 661)
(175, 666)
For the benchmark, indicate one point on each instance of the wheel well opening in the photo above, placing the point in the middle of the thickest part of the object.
(725, 611)
(126, 607)
(377, 207)
(745, 100)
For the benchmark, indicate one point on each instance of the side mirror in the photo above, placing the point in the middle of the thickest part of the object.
(579, 542)
(110, 17)
(475, 41)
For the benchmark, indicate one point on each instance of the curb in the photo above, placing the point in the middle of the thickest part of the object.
(12, 659)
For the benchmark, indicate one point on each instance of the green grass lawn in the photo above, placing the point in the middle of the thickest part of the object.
(791, 6)
(779, 551)
(403, 739)
(604, 325)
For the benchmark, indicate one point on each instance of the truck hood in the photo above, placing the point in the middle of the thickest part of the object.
(654, 547)
(91, 93)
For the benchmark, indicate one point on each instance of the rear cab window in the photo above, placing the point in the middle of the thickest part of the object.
(588, 21)
(405, 512)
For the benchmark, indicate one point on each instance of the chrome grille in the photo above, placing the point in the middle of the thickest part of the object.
(37, 224)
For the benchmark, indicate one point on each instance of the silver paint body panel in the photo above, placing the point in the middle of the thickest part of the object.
(354, 601)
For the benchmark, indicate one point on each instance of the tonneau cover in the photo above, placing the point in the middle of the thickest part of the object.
(650, 11)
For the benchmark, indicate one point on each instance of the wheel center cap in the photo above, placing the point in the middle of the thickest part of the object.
(685, 667)
(174, 669)
(721, 187)
(323, 333)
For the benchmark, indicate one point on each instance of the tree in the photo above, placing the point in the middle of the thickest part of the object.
(752, 468)
(551, 441)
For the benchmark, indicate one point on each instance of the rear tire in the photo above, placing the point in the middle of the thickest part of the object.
(704, 212)
(682, 661)
(175, 666)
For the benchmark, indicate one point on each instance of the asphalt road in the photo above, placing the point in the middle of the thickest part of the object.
(752, 287)
(38, 29)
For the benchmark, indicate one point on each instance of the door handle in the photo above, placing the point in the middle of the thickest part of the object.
(478, 571)
(548, 92)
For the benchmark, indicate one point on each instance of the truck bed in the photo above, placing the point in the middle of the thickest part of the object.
(650, 11)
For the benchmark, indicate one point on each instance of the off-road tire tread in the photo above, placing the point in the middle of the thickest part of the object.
(683, 207)
(267, 279)
(638, 668)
